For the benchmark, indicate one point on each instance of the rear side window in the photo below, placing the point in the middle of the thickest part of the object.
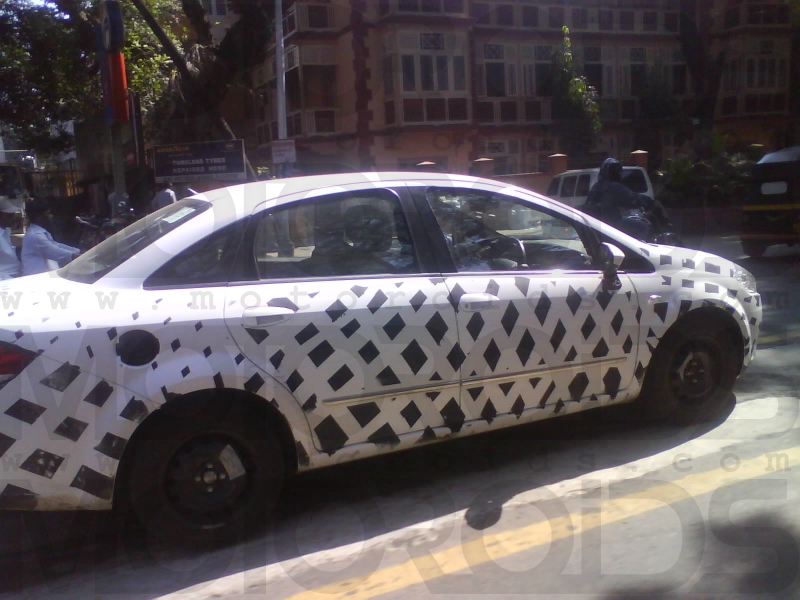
(582, 189)
(552, 190)
(634, 180)
(568, 189)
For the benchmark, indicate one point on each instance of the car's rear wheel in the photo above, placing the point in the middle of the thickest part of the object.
(753, 248)
(207, 477)
(691, 374)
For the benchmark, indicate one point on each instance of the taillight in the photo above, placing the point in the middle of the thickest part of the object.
(13, 361)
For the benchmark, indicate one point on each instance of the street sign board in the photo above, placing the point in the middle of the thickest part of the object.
(223, 161)
(283, 151)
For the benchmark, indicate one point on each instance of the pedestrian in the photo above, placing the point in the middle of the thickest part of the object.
(164, 197)
(40, 252)
(9, 263)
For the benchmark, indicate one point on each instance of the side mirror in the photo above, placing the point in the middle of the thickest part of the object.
(610, 258)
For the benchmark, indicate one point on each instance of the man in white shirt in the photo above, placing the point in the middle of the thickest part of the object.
(164, 197)
(40, 252)
(9, 263)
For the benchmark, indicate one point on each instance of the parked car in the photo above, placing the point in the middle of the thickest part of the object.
(184, 366)
(572, 187)
(771, 213)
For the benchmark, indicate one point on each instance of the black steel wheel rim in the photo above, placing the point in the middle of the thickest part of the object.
(209, 479)
(694, 372)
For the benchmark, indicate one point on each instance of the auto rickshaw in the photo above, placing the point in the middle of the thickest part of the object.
(771, 213)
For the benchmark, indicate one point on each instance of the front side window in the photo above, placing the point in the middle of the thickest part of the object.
(493, 232)
(359, 234)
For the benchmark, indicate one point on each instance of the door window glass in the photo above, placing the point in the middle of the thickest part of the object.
(568, 187)
(494, 232)
(364, 233)
(582, 189)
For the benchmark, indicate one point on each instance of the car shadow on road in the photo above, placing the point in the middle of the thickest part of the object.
(80, 553)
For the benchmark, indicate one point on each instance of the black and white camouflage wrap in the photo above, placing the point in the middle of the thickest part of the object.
(362, 367)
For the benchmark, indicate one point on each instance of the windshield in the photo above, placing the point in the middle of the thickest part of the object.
(107, 256)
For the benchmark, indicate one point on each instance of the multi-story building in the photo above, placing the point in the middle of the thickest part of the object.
(390, 84)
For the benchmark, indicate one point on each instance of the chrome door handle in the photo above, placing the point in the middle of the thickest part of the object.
(264, 316)
(477, 302)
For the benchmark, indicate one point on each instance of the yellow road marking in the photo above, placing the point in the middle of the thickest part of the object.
(770, 339)
(496, 546)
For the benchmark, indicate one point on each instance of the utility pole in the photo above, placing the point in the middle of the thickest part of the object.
(280, 67)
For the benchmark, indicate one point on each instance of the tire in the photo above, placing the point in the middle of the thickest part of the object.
(209, 477)
(691, 374)
(754, 249)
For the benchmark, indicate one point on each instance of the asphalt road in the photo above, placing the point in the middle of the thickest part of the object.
(594, 506)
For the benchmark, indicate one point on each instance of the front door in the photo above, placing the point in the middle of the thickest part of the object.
(540, 333)
(339, 310)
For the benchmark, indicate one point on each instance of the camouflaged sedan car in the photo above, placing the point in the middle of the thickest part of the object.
(185, 366)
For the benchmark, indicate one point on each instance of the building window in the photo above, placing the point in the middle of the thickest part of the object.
(626, 20)
(413, 110)
(493, 51)
(409, 74)
(408, 5)
(431, 6)
(496, 79)
(480, 12)
(442, 75)
(555, 17)
(388, 76)
(318, 17)
(580, 18)
(544, 79)
(454, 6)
(732, 17)
(638, 55)
(671, 22)
(594, 76)
(389, 116)
(436, 109)
(431, 41)
(459, 74)
(605, 20)
(638, 80)
(650, 20)
(222, 10)
(530, 16)
(679, 76)
(426, 72)
(457, 107)
(591, 54)
(731, 78)
(504, 15)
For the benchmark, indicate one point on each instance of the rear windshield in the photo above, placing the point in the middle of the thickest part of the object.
(634, 180)
(108, 255)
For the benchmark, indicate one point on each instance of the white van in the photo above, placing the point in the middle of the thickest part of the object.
(572, 187)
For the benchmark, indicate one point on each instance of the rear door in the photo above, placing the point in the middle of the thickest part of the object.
(341, 308)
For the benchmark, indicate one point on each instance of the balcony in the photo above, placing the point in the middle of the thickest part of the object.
(510, 110)
(428, 8)
(752, 104)
(756, 15)
(305, 123)
(304, 17)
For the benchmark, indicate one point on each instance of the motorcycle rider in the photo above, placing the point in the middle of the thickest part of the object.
(609, 197)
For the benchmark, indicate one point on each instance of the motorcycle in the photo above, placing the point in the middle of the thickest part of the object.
(650, 225)
(95, 229)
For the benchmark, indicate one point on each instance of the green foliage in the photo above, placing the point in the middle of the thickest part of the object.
(720, 180)
(575, 105)
(48, 65)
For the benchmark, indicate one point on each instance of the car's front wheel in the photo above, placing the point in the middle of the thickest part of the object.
(211, 476)
(691, 374)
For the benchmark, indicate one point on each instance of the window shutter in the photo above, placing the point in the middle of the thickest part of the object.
(608, 82)
(625, 82)
(511, 80)
(481, 72)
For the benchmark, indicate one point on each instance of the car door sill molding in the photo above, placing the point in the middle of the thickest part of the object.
(496, 379)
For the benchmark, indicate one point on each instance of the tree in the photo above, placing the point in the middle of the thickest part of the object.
(659, 112)
(574, 107)
(49, 71)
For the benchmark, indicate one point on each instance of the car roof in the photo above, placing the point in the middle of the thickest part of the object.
(244, 198)
(596, 170)
(785, 155)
